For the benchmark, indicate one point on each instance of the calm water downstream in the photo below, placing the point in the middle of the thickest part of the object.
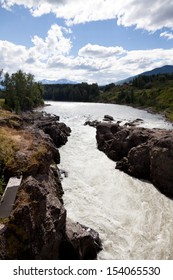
(133, 219)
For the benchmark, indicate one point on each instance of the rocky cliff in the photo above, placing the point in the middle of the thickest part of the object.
(38, 227)
(140, 152)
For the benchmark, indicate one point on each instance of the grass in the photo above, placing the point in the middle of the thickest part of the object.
(8, 147)
(4, 114)
(11, 142)
(2, 101)
(20, 151)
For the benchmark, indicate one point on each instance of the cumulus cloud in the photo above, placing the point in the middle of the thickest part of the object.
(100, 51)
(12, 55)
(35, 58)
(150, 15)
(167, 35)
(55, 42)
(50, 58)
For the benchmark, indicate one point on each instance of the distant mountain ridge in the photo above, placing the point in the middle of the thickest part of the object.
(61, 81)
(166, 69)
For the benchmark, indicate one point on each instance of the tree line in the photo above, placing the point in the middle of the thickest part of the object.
(71, 92)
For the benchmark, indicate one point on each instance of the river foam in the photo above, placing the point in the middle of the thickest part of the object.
(133, 219)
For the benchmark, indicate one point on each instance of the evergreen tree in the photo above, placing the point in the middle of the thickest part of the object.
(22, 93)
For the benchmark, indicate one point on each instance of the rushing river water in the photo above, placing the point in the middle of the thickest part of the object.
(133, 219)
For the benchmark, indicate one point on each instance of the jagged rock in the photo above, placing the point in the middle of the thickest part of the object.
(137, 162)
(140, 152)
(37, 223)
(108, 118)
(92, 123)
(82, 242)
(59, 132)
(133, 123)
(161, 155)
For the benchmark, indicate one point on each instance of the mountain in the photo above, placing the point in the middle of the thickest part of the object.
(127, 80)
(167, 69)
(61, 81)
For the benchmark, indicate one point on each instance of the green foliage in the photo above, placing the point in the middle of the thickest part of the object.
(79, 92)
(22, 93)
(155, 91)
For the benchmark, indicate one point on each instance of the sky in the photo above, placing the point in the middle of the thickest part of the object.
(94, 41)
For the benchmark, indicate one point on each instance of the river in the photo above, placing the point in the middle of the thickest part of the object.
(133, 219)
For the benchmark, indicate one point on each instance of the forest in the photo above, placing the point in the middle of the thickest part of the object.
(71, 92)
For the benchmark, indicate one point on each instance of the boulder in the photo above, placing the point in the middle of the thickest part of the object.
(92, 123)
(108, 118)
(82, 242)
(140, 152)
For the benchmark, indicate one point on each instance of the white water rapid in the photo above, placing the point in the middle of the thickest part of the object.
(133, 219)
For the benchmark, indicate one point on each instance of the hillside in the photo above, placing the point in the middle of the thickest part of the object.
(149, 91)
(166, 69)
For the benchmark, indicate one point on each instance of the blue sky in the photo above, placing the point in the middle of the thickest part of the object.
(99, 41)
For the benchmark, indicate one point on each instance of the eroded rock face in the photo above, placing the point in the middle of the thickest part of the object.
(81, 242)
(37, 227)
(140, 152)
(37, 222)
(58, 132)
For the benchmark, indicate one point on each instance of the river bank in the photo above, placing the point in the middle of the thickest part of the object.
(38, 226)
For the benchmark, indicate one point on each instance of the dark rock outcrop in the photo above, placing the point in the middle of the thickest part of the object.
(37, 227)
(108, 118)
(82, 241)
(58, 132)
(140, 152)
(92, 123)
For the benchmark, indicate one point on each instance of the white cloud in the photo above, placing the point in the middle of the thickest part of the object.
(35, 58)
(150, 15)
(11, 55)
(100, 51)
(166, 34)
(55, 43)
(50, 58)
